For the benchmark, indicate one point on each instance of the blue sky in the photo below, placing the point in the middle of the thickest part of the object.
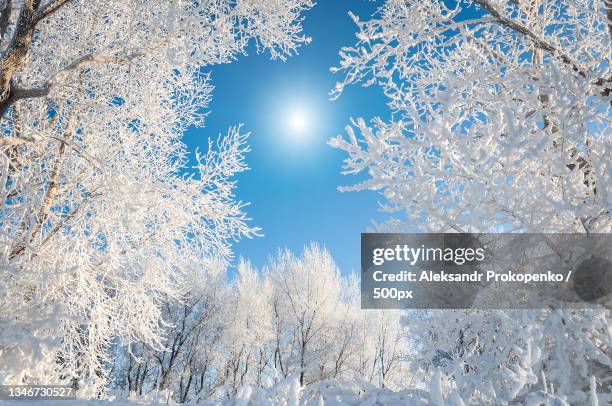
(292, 184)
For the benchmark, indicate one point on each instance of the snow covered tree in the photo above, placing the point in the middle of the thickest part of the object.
(501, 122)
(249, 330)
(295, 323)
(378, 350)
(501, 118)
(190, 363)
(307, 292)
(383, 349)
(102, 218)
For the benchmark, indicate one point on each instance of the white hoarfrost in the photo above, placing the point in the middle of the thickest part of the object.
(290, 334)
(101, 217)
(501, 123)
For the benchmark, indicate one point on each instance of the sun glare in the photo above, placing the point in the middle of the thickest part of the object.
(298, 122)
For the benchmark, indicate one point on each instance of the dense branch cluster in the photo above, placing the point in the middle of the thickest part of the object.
(296, 319)
(114, 250)
(101, 218)
(293, 333)
(501, 121)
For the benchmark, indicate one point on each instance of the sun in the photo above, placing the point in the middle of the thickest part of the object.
(298, 122)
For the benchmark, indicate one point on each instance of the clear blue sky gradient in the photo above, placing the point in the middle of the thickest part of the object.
(292, 186)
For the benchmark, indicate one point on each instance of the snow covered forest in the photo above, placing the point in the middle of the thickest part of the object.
(116, 267)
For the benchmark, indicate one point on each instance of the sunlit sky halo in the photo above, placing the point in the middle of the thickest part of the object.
(298, 123)
(294, 176)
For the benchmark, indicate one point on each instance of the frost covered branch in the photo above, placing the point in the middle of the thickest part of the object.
(103, 217)
(500, 121)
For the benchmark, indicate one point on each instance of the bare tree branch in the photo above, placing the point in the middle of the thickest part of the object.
(21, 94)
(608, 5)
(540, 43)
(17, 93)
(535, 39)
(11, 141)
(50, 8)
(6, 9)
(14, 57)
